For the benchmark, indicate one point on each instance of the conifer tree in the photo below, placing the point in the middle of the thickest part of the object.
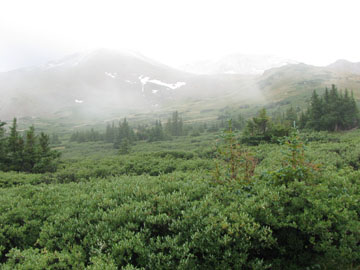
(47, 158)
(3, 154)
(315, 112)
(261, 122)
(30, 156)
(175, 126)
(156, 133)
(124, 147)
(291, 116)
(15, 146)
(333, 111)
(109, 133)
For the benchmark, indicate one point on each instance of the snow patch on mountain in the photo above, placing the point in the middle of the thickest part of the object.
(111, 75)
(79, 101)
(145, 80)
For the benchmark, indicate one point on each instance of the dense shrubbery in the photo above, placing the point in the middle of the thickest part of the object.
(170, 214)
(271, 206)
(180, 221)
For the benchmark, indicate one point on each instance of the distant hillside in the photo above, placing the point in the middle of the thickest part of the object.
(344, 66)
(296, 82)
(102, 82)
(237, 64)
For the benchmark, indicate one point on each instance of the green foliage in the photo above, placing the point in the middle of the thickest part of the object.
(156, 133)
(158, 207)
(86, 136)
(295, 167)
(124, 136)
(29, 153)
(333, 111)
(233, 163)
(262, 129)
(150, 223)
(174, 126)
(3, 146)
(124, 147)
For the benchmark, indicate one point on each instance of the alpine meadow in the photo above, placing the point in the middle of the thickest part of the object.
(179, 135)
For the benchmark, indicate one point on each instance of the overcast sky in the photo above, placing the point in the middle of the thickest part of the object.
(176, 32)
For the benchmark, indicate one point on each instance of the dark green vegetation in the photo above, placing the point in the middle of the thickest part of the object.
(333, 111)
(117, 134)
(199, 199)
(29, 153)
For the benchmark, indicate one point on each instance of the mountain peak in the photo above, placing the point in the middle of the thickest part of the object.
(237, 63)
(345, 66)
(78, 58)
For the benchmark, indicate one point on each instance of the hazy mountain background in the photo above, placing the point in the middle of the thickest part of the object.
(237, 64)
(105, 83)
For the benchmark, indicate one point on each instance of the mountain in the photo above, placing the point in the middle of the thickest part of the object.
(237, 64)
(106, 84)
(295, 83)
(344, 66)
(102, 82)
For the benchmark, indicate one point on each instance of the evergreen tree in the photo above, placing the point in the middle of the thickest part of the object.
(304, 117)
(333, 111)
(291, 116)
(3, 150)
(261, 128)
(175, 126)
(261, 122)
(47, 158)
(30, 156)
(315, 112)
(123, 132)
(110, 133)
(156, 133)
(15, 147)
(124, 147)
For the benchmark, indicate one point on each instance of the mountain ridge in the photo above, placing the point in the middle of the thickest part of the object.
(106, 83)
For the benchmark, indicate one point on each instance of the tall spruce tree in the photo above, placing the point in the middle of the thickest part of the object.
(156, 133)
(175, 126)
(124, 131)
(30, 156)
(47, 161)
(15, 147)
(315, 112)
(3, 150)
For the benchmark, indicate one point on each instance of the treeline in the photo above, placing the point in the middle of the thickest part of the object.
(333, 111)
(87, 136)
(28, 152)
(123, 133)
